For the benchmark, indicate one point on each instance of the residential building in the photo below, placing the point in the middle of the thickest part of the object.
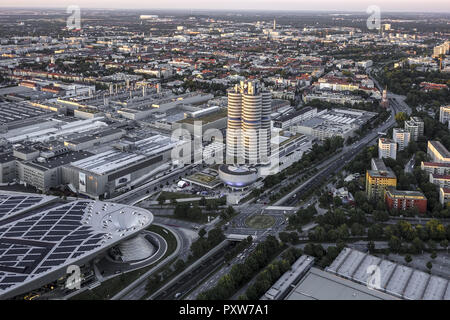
(387, 148)
(442, 181)
(377, 164)
(444, 195)
(444, 114)
(437, 152)
(435, 167)
(415, 126)
(405, 199)
(401, 137)
(377, 181)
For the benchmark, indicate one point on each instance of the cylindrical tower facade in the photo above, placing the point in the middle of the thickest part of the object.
(248, 132)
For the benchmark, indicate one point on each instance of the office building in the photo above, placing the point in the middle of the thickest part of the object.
(387, 148)
(248, 128)
(378, 164)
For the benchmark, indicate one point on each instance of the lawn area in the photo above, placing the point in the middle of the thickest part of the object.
(260, 221)
(112, 286)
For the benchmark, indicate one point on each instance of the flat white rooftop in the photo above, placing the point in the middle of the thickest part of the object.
(395, 279)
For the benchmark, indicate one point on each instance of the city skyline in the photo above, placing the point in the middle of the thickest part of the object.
(232, 152)
(324, 5)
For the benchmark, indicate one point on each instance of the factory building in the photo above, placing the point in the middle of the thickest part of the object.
(331, 123)
(107, 173)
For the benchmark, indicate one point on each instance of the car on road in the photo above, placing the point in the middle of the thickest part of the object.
(177, 295)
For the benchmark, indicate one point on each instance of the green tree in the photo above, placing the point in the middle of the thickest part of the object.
(202, 232)
(162, 199)
(408, 258)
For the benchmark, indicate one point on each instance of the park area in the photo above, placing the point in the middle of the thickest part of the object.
(260, 222)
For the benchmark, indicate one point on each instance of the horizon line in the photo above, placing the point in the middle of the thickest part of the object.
(230, 10)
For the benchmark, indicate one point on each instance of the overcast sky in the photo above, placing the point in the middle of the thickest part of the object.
(349, 5)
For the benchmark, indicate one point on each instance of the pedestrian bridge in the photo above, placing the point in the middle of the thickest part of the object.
(239, 237)
(280, 208)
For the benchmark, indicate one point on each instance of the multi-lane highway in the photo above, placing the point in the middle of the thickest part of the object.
(326, 169)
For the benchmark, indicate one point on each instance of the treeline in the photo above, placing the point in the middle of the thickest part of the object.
(324, 257)
(403, 80)
(302, 217)
(406, 238)
(317, 153)
(433, 98)
(271, 274)
(238, 248)
(204, 244)
(242, 273)
(338, 225)
(186, 211)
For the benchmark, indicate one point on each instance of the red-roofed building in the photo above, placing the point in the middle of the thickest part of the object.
(436, 167)
(442, 181)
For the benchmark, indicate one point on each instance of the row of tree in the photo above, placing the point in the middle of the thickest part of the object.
(242, 273)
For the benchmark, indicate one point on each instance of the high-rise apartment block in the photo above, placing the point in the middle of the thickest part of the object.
(387, 148)
(377, 181)
(401, 137)
(415, 126)
(444, 114)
